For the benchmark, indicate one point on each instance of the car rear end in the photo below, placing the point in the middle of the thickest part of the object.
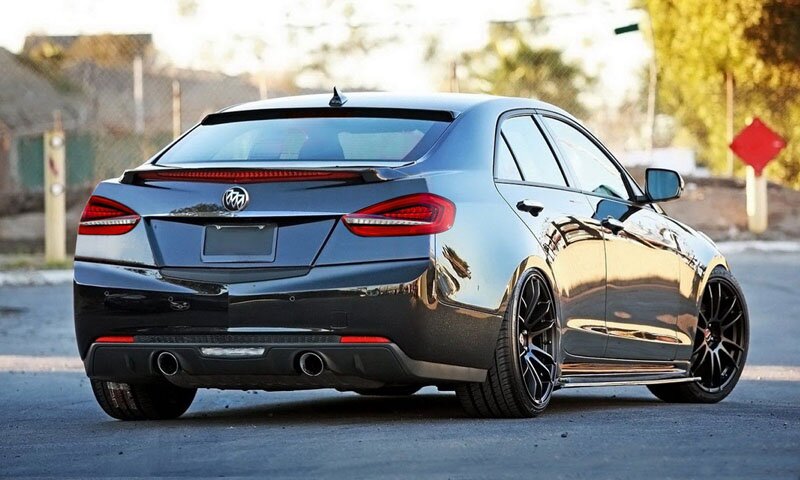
(276, 249)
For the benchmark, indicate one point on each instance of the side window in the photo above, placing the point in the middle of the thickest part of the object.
(534, 157)
(593, 169)
(505, 166)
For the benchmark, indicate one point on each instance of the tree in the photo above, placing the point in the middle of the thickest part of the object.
(700, 45)
(342, 41)
(511, 65)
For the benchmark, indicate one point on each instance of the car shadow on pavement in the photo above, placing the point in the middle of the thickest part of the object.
(339, 408)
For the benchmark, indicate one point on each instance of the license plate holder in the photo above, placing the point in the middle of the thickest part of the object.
(239, 243)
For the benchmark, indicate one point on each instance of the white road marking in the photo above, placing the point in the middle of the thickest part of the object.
(35, 277)
(30, 363)
(771, 373)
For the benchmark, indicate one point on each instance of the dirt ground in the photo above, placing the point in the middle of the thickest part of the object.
(718, 207)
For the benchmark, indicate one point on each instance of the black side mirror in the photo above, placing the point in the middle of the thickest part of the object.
(662, 184)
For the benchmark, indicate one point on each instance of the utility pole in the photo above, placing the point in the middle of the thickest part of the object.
(55, 224)
(652, 88)
(454, 76)
(138, 104)
(138, 95)
(729, 120)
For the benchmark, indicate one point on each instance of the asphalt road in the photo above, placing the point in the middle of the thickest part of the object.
(51, 426)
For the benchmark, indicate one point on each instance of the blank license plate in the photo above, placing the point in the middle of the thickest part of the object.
(240, 243)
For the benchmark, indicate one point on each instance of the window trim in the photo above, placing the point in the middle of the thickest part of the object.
(504, 141)
(629, 182)
(532, 114)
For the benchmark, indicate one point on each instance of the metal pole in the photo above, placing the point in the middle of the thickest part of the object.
(176, 108)
(55, 224)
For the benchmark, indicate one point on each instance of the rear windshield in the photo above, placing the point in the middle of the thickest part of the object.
(302, 139)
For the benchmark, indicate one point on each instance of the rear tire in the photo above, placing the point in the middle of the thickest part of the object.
(720, 346)
(523, 374)
(391, 391)
(152, 401)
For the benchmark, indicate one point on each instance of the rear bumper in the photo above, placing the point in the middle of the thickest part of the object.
(431, 341)
(346, 366)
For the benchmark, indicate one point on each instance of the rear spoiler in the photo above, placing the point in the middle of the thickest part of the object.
(259, 175)
(279, 113)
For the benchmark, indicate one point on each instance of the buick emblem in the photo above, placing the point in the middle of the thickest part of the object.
(235, 199)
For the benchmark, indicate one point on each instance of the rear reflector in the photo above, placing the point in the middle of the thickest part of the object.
(354, 339)
(103, 216)
(115, 339)
(417, 214)
(245, 175)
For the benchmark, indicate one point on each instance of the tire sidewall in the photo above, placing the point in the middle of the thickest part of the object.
(720, 273)
(511, 323)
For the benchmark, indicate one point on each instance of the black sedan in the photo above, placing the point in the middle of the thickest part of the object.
(382, 243)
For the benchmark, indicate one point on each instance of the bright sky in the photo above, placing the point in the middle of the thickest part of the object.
(220, 35)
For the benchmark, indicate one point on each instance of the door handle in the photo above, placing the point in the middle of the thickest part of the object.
(530, 206)
(613, 224)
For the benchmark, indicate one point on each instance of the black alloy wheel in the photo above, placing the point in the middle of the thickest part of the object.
(524, 373)
(720, 344)
(535, 323)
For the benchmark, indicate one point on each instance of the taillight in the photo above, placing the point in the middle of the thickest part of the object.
(103, 216)
(245, 175)
(115, 339)
(363, 339)
(417, 214)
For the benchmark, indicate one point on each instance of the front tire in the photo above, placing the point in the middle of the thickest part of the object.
(720, 345)
(522, 377)
(156, 401)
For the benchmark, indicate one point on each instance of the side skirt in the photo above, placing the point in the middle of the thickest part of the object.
(623, 374)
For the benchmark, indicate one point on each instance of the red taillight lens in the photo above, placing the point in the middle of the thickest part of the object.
(363, 339)
(103, 216)
(417, 214)
(115, 339)
(245, 175)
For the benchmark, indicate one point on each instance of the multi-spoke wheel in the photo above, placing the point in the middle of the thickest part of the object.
(524, 373)
(720, 344)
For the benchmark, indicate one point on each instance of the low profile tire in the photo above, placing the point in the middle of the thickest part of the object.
(158, 401)
(720, 344)
(522, 377)
(393, 391)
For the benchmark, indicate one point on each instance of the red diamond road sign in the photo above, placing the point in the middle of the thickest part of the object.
(757, 145)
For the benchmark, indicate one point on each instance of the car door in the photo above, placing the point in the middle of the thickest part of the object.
(531, 180)
(642, 265)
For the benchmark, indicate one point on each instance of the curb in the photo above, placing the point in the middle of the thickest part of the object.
(728, 247)
(20, 278)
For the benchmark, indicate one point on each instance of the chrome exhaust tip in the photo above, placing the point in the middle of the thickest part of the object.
(311, 364)
(167, 364)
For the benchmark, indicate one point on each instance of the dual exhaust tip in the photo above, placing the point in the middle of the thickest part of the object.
(310, 364)
(167, 364)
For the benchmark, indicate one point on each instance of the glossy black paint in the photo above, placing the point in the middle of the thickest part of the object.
(627, 279)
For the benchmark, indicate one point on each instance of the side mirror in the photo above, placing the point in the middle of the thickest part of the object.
(662, 184)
